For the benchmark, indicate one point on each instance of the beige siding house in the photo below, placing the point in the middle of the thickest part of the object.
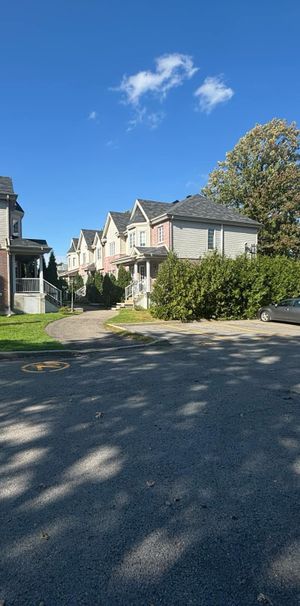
(141, 239)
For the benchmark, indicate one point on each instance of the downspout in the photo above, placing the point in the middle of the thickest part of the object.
(222, 240)
(8, 259)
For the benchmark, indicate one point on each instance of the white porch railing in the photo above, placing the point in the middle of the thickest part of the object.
(135, 288)
(33, 285)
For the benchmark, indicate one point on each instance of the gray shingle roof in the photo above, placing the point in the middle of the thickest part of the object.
(19, 208)
(200, 207)
(89, 235)
(154, 209)
(74, 244)
(157, 251)
(6, 185)
(138, 217)
(29, 243)
(121, 220)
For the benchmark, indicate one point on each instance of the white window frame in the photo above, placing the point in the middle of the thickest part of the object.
(112, 249)
(84, 258)
(16, 232)
(142, 238)
(213, 231)
(98, 254)
(132, 239)
(160, 234)
(74, 261)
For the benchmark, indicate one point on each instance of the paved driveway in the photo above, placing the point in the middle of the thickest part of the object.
(167, 475)
(85, 330)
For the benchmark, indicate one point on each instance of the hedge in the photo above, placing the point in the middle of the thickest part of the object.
(219, 287)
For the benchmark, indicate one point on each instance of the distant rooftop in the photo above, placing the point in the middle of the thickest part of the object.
(6, 185)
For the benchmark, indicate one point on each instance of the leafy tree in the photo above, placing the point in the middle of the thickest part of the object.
(124, 277)
(51, 270)
(94, 288)
(77, 282)
(260, 177)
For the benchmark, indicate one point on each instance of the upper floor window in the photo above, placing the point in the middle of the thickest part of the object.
(16, 228)
(84, 258)
(142, 238)
(211, 238)
(74, 261)
(98, 254)
(160, 234)
(112, 249)
(69, 261)
(131, 239)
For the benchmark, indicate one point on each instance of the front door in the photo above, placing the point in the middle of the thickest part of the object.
(142, 272)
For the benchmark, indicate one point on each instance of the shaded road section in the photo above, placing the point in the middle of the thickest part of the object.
(167, 475)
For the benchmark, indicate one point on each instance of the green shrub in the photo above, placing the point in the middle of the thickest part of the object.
(219, 287)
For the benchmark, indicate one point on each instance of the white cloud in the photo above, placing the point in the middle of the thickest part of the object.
(171, 71)
(92, 115)
(212, 92)
(143, 116)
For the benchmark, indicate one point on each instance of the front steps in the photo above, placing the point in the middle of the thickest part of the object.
(127, 304)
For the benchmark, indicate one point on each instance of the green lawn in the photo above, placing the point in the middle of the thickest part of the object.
(132, 316)
(27, 332)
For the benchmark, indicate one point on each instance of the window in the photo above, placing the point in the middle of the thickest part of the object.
(286, 303)
(98, 254)
(211, 238)
(112, 249)
(69, 262)
(132, 239)
(74, 261)
(160, 234)
(16, 229)
(297, 303)
(142, 238)
(84, 258)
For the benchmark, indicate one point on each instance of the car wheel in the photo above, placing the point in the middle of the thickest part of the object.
(265, 316)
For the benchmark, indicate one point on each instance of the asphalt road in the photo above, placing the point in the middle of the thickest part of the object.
(165, 475)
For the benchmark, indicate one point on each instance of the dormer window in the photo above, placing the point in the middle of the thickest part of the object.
(16, 228)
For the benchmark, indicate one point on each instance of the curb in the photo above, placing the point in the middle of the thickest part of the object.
(14, 355)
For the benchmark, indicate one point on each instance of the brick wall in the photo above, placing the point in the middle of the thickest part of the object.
(3, 281)
(154, 234)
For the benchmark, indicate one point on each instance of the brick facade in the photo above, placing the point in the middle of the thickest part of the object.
(166, 230)
(3, 282)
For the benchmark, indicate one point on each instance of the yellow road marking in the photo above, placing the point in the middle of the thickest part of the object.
(45, 366)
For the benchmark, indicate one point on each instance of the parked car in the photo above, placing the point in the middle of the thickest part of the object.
(287, 310)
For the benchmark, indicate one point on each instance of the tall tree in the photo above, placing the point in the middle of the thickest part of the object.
(51, 271)
(261, 178)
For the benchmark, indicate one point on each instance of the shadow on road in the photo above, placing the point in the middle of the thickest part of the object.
(159, 476)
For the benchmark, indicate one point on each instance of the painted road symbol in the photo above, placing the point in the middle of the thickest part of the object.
(45, 366)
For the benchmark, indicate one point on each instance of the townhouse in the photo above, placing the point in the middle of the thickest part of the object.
(140, 239)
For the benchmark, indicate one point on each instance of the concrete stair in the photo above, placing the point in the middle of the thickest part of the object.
(127, 304)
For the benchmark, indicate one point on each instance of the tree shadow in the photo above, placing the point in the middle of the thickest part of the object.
(153, 476)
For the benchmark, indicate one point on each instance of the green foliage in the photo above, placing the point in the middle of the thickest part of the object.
(111, 293)
(51, 271)
(124, 277)
(77, 282)
(94, 288)
(219, 287)
(260, 177)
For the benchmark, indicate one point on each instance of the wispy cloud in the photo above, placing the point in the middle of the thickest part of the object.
(93, 115)
(171, 70)
(143, 116)
(212, 92)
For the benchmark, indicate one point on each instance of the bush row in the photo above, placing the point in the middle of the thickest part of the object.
(218, 287)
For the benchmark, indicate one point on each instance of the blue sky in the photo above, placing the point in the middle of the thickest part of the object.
(106, 101)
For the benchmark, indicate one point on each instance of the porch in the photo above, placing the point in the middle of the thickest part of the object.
(30, 292)
(143, 264)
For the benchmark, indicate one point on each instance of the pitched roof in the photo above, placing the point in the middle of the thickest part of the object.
(200, 207)
(121, 220)
(153, 209)
(138, 217)
(6, 185)
(19, 208)
(30, 244)
(74, 244)
(89, 235)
